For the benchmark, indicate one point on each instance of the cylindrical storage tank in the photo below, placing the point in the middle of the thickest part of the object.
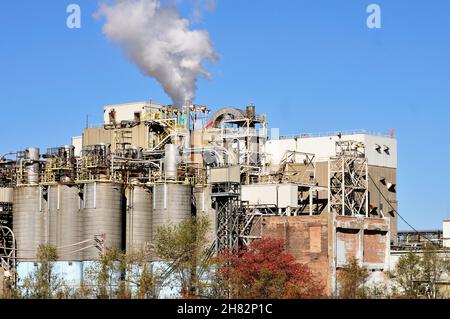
(102, 214)
(171, 205)
(6, 195)
(32, 156)
(254, 148)
(64, 218)
(52, 211)
(170, 161)
(139, 217)
(29, 221)
(203, 203)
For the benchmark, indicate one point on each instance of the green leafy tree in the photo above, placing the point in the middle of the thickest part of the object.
(377, 291)
(9, 290)
(407, 274)
(116, 275)
(103, 276)
(85, 291)
(218, 284)
(141, 275)
(433, 267)
(352, 279)
(44, 282)
(186, 249)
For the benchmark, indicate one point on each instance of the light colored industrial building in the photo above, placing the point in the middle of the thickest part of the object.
(446, 234)
(328, 197)
(381, 154)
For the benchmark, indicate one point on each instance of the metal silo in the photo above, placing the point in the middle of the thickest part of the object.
(6, 195)
(102, 214)
(203, 205)
(139, 217)
(52, 210)
(69, 224)
(64, 221)
(171, 204)
(32, 157)
(29, 221)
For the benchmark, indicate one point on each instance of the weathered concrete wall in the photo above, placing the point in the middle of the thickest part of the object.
(366, 239)
(348, 245)
(136, 136)
(384, 201)
(374, 247)
(306, 238)
(327, 242)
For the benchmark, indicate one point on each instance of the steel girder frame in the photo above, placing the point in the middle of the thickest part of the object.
(8, 250)
(348, 189)
(228, 205)
(253, 223)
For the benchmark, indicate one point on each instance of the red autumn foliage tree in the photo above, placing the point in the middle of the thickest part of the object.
(265, 271)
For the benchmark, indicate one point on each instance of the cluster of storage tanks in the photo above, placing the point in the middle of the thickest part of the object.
(78, 217)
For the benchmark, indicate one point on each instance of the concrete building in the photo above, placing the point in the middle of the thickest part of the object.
(327, 242)
(446, 233)
(415, 242)
(443, 284)
(381, 154)
(329, 197)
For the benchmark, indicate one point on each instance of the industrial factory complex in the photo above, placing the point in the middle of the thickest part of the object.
(330, 197)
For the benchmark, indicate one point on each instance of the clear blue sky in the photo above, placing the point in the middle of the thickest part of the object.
(312, 66)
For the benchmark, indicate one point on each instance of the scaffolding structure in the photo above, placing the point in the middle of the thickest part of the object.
(226, 198)
(297, 167)
(348, 189)
(7, 250)
(246, 132)
(227, 202)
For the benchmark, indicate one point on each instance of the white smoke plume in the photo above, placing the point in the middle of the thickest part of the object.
(160, 42)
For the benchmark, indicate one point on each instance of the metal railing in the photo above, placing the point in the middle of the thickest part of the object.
(343, 133)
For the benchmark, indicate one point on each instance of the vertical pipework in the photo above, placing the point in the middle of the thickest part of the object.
(32, 157)
(170, 162)
(69, 151)
(187, 113)
(95, 196)
(203, 201)
(40, 199)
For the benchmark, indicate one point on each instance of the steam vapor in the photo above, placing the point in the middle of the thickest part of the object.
(160, 43)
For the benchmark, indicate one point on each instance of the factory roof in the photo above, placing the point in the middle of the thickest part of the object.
(326, 134)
